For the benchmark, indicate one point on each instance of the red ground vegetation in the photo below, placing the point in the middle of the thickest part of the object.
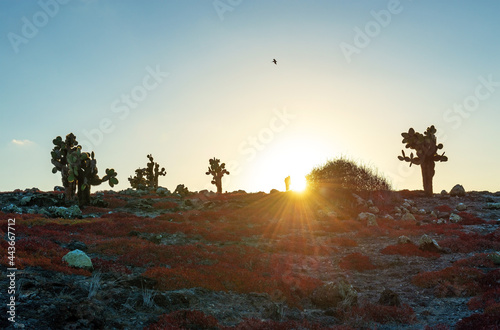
(356, 261)
(409, 249)
(451, 281)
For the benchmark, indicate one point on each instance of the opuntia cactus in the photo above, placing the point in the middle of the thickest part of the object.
(78, 169)
(426, 153)
(217, 171)
(147, 176)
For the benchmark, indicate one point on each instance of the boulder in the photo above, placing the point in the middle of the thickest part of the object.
(428, 244)
(389, 298)
(78, 259)
(408, 217)
(404, 240)
(162, 191)
(457, 190)
(334, 294)
(71, 212)
(461, 207)
(454, 218)
(370, 217)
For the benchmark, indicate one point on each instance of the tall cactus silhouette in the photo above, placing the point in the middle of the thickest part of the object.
(217, 170)
(426, 153)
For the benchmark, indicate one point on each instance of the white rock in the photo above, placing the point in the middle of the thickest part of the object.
(422, 211)
(370, 217)
(78, 259)
(454, 218)
(408, 217)
(404, 240)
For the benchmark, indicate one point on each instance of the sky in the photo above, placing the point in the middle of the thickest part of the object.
(189, 80)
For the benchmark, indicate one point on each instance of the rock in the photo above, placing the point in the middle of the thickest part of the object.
(58, 188)
(11, 208)
(428, 244)
(408, 217)
(414, 210)
(162, 191)
(443, 192)
(78, 259)
(389, 298)
(454, 218)
(388, 217)
(334, 294)
(492, 206)
(457, 190)
(71, 212)
(495, 257)
(25, 200)
(422, 212)
(274, 191)
(397, 210)
(404, 240)
(433, 214)
(367, 216)
(369, 203)
(406, 205)
(372, 222)
(360, 201)
(77, 245)
(374, 209)
(461, 207)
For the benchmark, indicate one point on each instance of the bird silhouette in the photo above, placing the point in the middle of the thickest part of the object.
(274, 61)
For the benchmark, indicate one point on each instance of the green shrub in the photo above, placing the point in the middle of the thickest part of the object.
(345, 174)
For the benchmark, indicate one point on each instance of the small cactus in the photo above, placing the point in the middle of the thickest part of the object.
(426, 153)
(217, 170)
(147, 176)
(78, 169)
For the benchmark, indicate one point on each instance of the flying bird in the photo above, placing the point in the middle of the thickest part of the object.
(274, 61)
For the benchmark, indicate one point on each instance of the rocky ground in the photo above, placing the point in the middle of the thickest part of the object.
(48, 299)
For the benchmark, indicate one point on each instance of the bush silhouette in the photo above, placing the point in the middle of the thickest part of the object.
(345, 174)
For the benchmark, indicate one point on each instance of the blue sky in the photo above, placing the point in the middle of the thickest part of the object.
(190, 80)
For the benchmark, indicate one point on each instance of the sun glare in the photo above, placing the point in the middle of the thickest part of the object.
(298, 183)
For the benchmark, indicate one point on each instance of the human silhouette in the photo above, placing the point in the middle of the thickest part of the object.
(274, 61)
(287, 183)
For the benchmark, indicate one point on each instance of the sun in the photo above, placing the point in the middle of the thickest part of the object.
(298, 183)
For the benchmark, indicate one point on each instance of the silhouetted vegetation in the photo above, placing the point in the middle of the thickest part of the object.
(147, 177)
(345, 174)
(78, 169)
(426, 148)
(217, 170)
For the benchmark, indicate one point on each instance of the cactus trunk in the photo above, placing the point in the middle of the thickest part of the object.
(427, 175)
(218, 184)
